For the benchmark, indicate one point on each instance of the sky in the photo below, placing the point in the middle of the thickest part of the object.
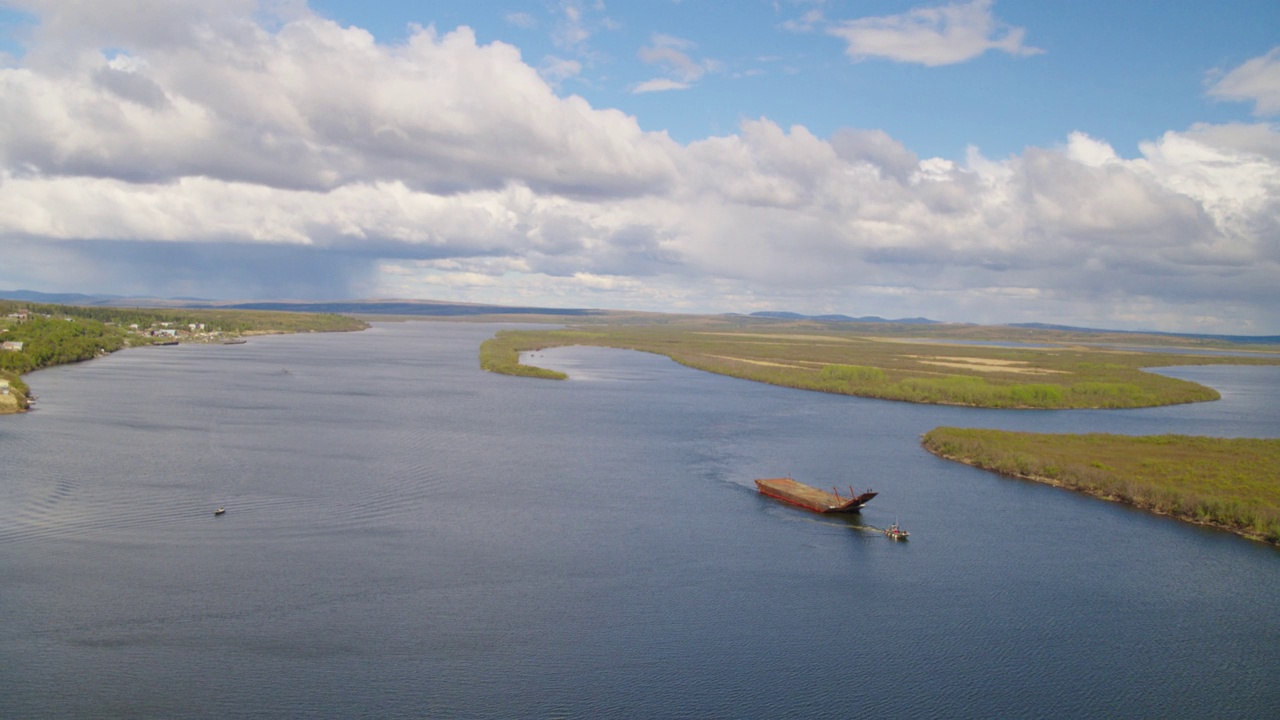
(1094, 163)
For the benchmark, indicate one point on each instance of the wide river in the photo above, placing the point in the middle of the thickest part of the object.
(408, 536)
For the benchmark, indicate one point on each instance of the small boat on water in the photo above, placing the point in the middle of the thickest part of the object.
(893, 532)
(219, 511)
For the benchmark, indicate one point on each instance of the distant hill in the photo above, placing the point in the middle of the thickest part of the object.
(843, 318)
(32, 296)
(427, 308)
(406, 307)
(1249, 339)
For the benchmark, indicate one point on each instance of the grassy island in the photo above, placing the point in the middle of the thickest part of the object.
(1233, 484)
(502, 355)
(910, 363)
(36, 336)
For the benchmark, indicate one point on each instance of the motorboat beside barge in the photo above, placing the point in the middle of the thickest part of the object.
(894, 532)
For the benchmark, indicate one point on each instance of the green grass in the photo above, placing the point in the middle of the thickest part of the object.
(1229, 483)
(883, 361)
(501, 354)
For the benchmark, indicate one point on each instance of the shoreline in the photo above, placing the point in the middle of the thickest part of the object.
(1147, 507)
(108, 336)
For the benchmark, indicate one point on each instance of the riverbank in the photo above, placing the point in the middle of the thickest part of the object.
(43, 336)
(1226, 483)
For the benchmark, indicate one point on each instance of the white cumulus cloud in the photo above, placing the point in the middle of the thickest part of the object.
(672, 55)
(658, 85)
(1257, 80)
(316, 106)
(932, 36)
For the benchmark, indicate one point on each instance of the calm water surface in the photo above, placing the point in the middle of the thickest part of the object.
(407, 536)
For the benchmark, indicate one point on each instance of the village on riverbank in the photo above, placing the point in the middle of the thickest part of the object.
(37, 336)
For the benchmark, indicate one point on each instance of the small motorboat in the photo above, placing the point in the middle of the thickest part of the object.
(219, 511)
(893, 532)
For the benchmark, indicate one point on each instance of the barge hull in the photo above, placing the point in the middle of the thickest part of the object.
(811, 498)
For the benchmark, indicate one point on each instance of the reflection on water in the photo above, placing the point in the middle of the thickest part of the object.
(407, 536)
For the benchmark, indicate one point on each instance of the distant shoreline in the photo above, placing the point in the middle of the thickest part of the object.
(44, 336)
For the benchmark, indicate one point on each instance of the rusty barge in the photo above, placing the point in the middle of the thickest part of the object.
(811, 498)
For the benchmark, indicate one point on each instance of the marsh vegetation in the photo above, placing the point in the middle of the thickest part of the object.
(1228, 483)
(1046, 369)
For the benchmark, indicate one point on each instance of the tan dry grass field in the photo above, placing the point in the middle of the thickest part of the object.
(985, 365)
(798, 339)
